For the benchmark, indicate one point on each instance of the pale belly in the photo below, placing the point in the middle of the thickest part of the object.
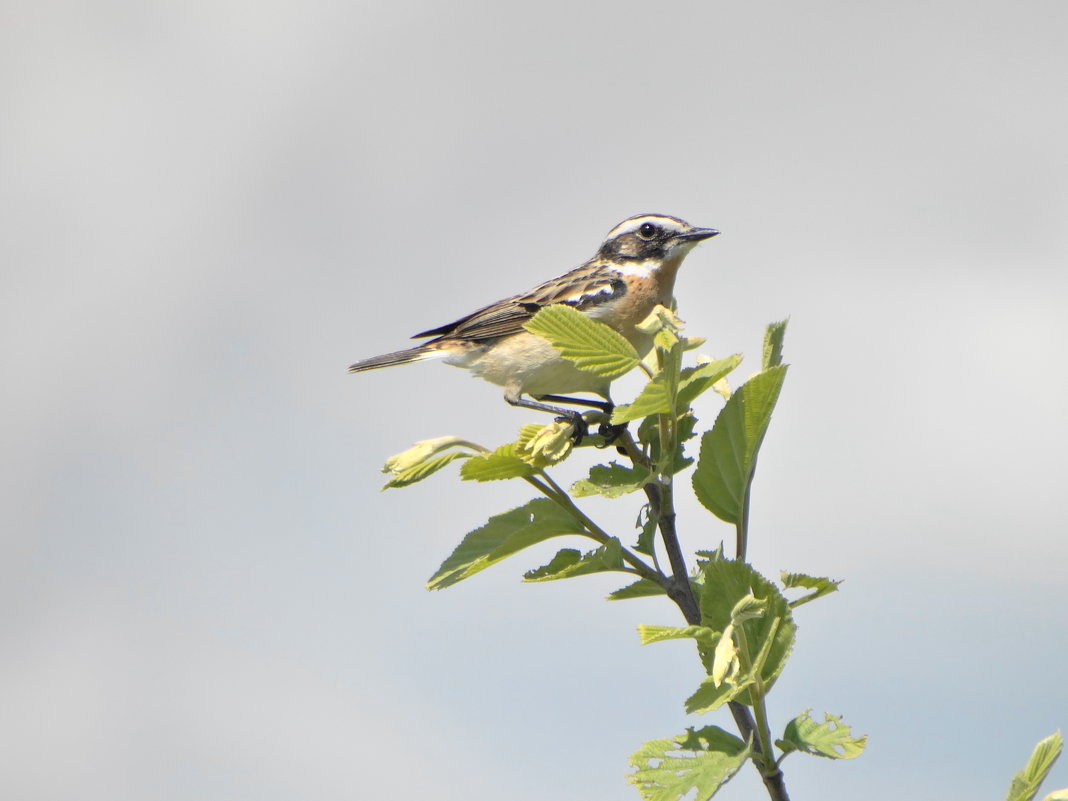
(527, 364)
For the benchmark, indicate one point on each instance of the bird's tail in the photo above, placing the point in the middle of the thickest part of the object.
(416, 354)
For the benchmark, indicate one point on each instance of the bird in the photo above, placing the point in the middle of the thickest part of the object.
(632, 272)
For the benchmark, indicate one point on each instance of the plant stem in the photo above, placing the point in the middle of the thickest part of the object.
(758, 731)
(741, 528)
(682, 595)
(626, 441)
(756, 692)
(662, 504)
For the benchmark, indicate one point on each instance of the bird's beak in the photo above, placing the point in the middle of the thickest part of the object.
(697, 234)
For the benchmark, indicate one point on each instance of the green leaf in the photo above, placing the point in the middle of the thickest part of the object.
(822, 586)
(704, 760)
(831, 739)
(748, 608)
(497, 465)
(728, 452)
(649, 435)
(768, 639)
(711, 695)
(696, 380)
(687, 426)
(1026, 782)
(642, 588)
(773, 338)
(653, 399)
(650, 634)
(591, 345)
(723, 389)
(765, 648)
(544, 446)
(660, 395)
(570, 562)
(647, 525)
(502, 536)
(662, 320)
(610, 481)
(724, 658)
(425, 458)
(421, 470)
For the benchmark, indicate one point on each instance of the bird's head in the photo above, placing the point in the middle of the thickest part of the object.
(652, 236)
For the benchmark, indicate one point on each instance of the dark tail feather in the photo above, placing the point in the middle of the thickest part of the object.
(398, 357)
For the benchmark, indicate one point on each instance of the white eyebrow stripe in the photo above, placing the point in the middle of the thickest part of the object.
(634, 223)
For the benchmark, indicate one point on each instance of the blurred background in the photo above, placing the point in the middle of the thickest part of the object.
(212, 208)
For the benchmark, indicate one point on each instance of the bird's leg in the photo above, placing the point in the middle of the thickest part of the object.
(607, 430)
(604, 406)
(562, 415)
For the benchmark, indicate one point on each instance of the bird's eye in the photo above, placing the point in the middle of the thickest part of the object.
(647, 231)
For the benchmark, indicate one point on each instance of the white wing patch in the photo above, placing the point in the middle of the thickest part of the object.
(597, 295)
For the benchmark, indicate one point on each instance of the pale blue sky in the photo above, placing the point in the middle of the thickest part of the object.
(211, 209)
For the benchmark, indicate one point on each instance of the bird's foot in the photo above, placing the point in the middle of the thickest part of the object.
(579, 424)
(610, 431)
(605, 430)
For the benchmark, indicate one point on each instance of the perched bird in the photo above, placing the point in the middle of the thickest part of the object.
(632, 272)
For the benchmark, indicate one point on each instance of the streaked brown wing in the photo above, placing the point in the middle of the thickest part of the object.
(582, 288)
(499, 319)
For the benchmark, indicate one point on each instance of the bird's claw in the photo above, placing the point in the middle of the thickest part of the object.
(607, 431)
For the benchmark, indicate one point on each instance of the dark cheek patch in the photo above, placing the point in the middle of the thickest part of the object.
(631, 247)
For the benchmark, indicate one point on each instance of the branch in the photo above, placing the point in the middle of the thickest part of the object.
(551, 490)
(679, 588)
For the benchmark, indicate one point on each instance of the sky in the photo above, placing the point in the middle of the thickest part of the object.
(212, 209)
